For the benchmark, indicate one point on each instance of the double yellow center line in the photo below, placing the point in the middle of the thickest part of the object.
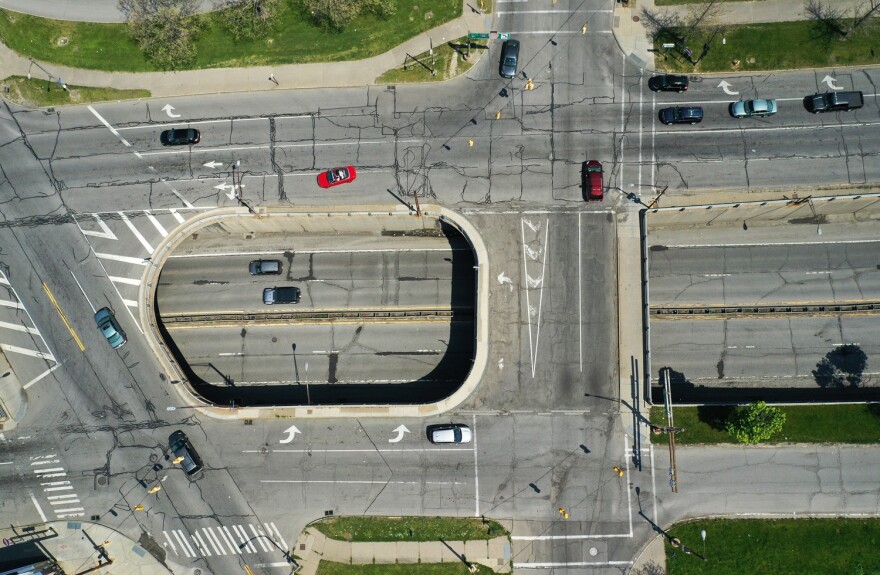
(64, 318)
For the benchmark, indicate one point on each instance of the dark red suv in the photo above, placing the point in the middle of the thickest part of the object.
(593, 184)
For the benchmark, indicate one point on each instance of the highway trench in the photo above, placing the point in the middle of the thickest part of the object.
(395, 313)
(740, 322)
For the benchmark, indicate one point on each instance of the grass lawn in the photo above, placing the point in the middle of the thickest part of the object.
(773, 46)
(331, 568)
(449, 63)
(803, 424)
(780, 547)
(408, 528)
(108, 46)
(41, 93)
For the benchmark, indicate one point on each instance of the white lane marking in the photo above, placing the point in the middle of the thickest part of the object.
(19, 327)
(128, 281)
(30, 352)
(109, 127)
(39, 509)
(306, 252)
(569, 537)
(46, 461)
(757, 128)
(271, 526)
(476, 468)
(45, 373)
(244, 538)
(198, 122)
(553, 32)
(65, 488)
(67, 502)
(49, 470)
(277, 146)
(280, 564)
(62, 474)
(363, 482)
(200, 545)
(170, 542)
(551, 565)
(12, 304)
(389, 450)
(538, 282)
(105, 232)
(68, 515)
(768, 244)
(4, 281)
(654, 486)
(184, 544)
(230, 541)
(136, 233)
(258, 537)
(215, 543)
(177, 216)
(237, 353)
(819, 273)
(68, 496)
(124, 259)
(174, 191)
(559, 11)
(580, 301)
(157, 224)
(6, 462)
(130, 302)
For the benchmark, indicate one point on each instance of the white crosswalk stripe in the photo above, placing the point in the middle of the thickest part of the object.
(225, 540)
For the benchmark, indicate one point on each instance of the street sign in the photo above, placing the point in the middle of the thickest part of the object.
(478, 36)
(667, 45)
(503, 36)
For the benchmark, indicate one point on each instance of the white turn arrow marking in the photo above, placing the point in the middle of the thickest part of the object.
(503, 279)
(167, 109)
(222, 187)
(291, 432)
(830, 81)
(401, 429)
(724, 85)
(213, 164)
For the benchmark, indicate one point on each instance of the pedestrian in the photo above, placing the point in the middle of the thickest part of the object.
(618, 471)
(272, 79)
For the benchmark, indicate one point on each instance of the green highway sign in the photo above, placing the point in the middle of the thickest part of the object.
(478, 36)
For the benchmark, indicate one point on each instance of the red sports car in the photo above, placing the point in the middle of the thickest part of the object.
(337, 176)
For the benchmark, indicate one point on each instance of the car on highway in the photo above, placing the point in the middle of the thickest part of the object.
(758, 108)
(668, 83)
(275, 295)
(449, 433)
(106, 320)
(593, 180)
(337, 176)
(180, 137)
(264, 267)
(681, 115)
(184, 453)
(509, 58)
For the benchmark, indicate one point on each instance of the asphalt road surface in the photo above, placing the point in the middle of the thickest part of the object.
(82, 211)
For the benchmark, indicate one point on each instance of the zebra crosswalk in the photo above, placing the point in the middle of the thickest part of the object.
(63, 502)
(224, 540)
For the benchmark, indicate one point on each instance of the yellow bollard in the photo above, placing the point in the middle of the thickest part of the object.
(138, 507)
(618, 471)
(498, 115)
(470, 143)
(155, 489)
(584, 28)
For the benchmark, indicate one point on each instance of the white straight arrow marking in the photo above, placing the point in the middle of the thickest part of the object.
(213, 164)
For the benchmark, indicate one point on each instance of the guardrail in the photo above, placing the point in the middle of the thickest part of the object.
(687, 312)
(320, 316)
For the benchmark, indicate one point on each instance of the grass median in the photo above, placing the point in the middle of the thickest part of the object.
(294, 40)
(448, 61)
(377, 529)
(803, 424)
(41, 93)
(781, 546)
(771, 46)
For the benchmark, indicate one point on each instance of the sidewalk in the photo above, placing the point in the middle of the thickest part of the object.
(79, 545)
(290, 76)
(312, 547)
(13, 399)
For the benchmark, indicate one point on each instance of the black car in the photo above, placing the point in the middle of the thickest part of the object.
(668, 83)
(180, 137)
(509, 58)
(275, 295)
(184, 453)
(681, 115)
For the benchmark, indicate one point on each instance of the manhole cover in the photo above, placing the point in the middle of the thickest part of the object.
(635, 18)
(63, 41)
(274, 340)
(264, 450)
(154, 458)
(197, 572)
(593, 551)
(102, 480)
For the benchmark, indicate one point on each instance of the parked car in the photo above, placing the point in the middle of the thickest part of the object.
(681, 115)
(668, 83)
(593, 180)
(747, 108)
(264, 267)
(449, 433)
(509, 58)
(180, 137)
(106, 320)
(275, 295)
(184, 453)
(337, 176)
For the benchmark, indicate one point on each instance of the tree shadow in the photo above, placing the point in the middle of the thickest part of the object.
(715, 416)
(841, 367)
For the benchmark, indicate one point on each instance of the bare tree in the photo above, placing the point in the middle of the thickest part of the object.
(662, 23)
(337, 14)
(249, 19)
(835, 22)
(164, 30)
(649, 568)
(701, 19)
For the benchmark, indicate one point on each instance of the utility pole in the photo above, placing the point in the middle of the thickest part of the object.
(667, 396)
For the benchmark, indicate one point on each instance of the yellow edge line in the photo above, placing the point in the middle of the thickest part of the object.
(64, 318)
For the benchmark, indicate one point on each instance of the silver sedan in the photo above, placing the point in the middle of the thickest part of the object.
(759, 108)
